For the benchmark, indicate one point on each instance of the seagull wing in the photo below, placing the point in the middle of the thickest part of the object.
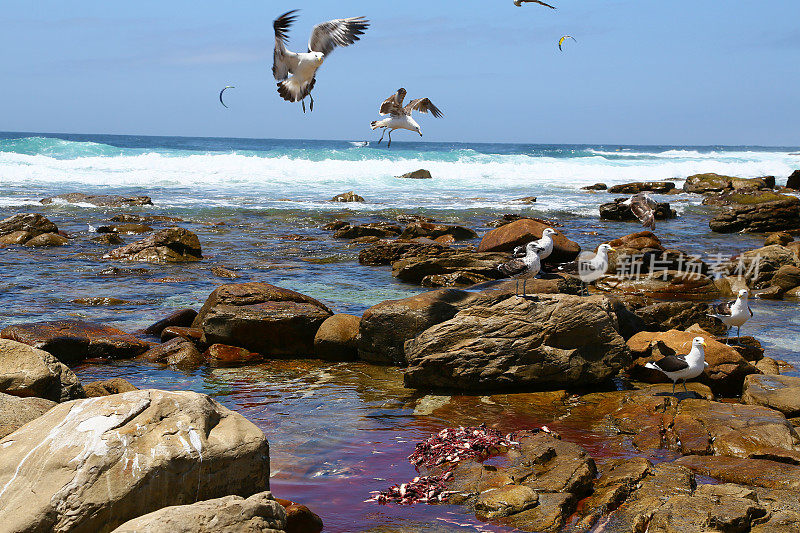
(540, 3)
(671, 363)
(423, 105)
(513, 267)
(283, 61)
(394, 104)
(340, 32)
(643, 208)
(723, 309)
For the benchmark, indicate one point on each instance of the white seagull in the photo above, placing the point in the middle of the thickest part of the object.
(529, 264)
(683, 367)
(644, 208)
(400, 117)
(734, 313)
(595, 266)
(304, 65)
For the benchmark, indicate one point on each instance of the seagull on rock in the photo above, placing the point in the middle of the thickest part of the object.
(734, 313)
(545, 245)
(683, 367)
(529, 264)
(400, 117)
(303, 66)
(644, 208)
(519, 3)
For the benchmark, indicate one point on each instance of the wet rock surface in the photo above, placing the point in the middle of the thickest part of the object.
(337, 338)
(170, 245)
(661, 187)
(100, 200)
(521, 232)
(347, 197)
(23, 228)
(177, 351)
(420, 174)
(617, 210)
(781, 393)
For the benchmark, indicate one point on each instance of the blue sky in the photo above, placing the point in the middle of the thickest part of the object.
(642, 71)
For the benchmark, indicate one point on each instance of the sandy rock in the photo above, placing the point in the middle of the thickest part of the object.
(90, 465)
(555, 341)
(521, 232)
(170, 245)
(337, 338)
(433, 231)
(96, 389)
(726, 371)
(74, 340)
(180, 318)
(262, 318)
(15, 412)
(780, 237)
(347, 197)
(420, 174)
(259, 513)
(781, 393)
(22, 227)
(385, 327)
(177, 352)
(27, 371)
(661, 187)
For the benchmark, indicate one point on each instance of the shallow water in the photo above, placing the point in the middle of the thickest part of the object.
(337, 431)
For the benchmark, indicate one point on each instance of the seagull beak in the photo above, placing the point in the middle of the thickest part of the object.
(704, 344)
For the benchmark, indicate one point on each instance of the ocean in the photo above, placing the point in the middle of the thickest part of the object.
(337, 431)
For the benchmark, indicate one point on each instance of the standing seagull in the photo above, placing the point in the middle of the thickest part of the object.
(519, 3)
(683, 367)
(529, 264)
(734, 313)
(304, 65)
(400, 117)
(644, 208)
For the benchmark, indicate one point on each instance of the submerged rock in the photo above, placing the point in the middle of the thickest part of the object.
(27, 371)
(91, 465)
(372, 229)
(260, 513)
(337, 338)
(553, 341)
(170, 245)
(521, 232)
(72, 341)
(22, 228)
(100, 200)
(222, 354)
(262, 318)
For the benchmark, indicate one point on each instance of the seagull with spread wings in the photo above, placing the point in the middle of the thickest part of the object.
(303, 66)
(644, 208)
(400, 117)
(519, 3)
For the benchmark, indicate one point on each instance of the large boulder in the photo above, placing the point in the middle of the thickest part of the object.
(664, 316)
(73, 341)
(170, 245)
(666, 284)
(617, 210)
(521, 232)
(15, 412)
(27, 371)
(781, 393)
(100, 200)
(387, 252)
(745, 471)
(642, 186)
(433, 231)
(727, 367)
(774, 215)
(259, 513)
(90, 465)
(758, 267)
(22, 228)
(551, 342)
(707, 183)
(385, 327)
(337, 338)
(263, 318)
(639, 241)
(738, 197)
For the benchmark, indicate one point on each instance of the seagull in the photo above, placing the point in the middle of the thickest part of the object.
(222, 91)
(519, 3)
(592, 268)
(644, 208)
(529, 264)
(545, 245)
(683, 367)
(304, 65)
(734, 313)
(400, 117)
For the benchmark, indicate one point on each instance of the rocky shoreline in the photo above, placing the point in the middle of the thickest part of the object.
(107, 456)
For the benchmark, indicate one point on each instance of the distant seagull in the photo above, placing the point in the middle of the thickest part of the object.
(644, 208)
(519, 3)
(529, 264)
(564, 38)
(734, 313)
(222, 91)
(303, 65)
(400, 117)
(683, 367)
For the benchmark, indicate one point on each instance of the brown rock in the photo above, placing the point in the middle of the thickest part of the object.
(15, 237)
(780, 237)
(194, 335)
(15, 412)
(793, 182)
(432, 231)
(483, 265)
(97, 301)
(347, 197)
(108, 238)
(752, 472)
(20, 228)
(387, 252)
(766, 365)
(519, 233)
(337, 338)
(373, 229)
(26, 371)
(774, 215)
(168, 245)
(127, 229)
(47, 239)
(223, 272)
(74, 340)
(177, 352)
(505, 501)
(662, 187)
(300, 519)
(100, 200)
(222, 354)
(705, 183)
(667, 284)
(786, 278)
(639, 241)
(420, 174)
(595, 187)
(781, 393)
(526, 200)
(617, 210)
(180, 318)
(95, 389)
(262, 318)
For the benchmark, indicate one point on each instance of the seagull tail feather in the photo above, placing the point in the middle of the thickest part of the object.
(373, 124)
(651, 366)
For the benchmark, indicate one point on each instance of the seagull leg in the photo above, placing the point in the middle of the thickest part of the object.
(303, 104)
(738, 334)
(311, 107)
(390, 140)
(684, 387)
(524, 287)
(382, 134)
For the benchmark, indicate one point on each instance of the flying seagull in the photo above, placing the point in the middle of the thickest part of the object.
(519, 3)
(683, 367)
(734, 313)
(564, 38)
(644, 208)
(530, 264)
(400, 117)
(303, 66)
(222, 91)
